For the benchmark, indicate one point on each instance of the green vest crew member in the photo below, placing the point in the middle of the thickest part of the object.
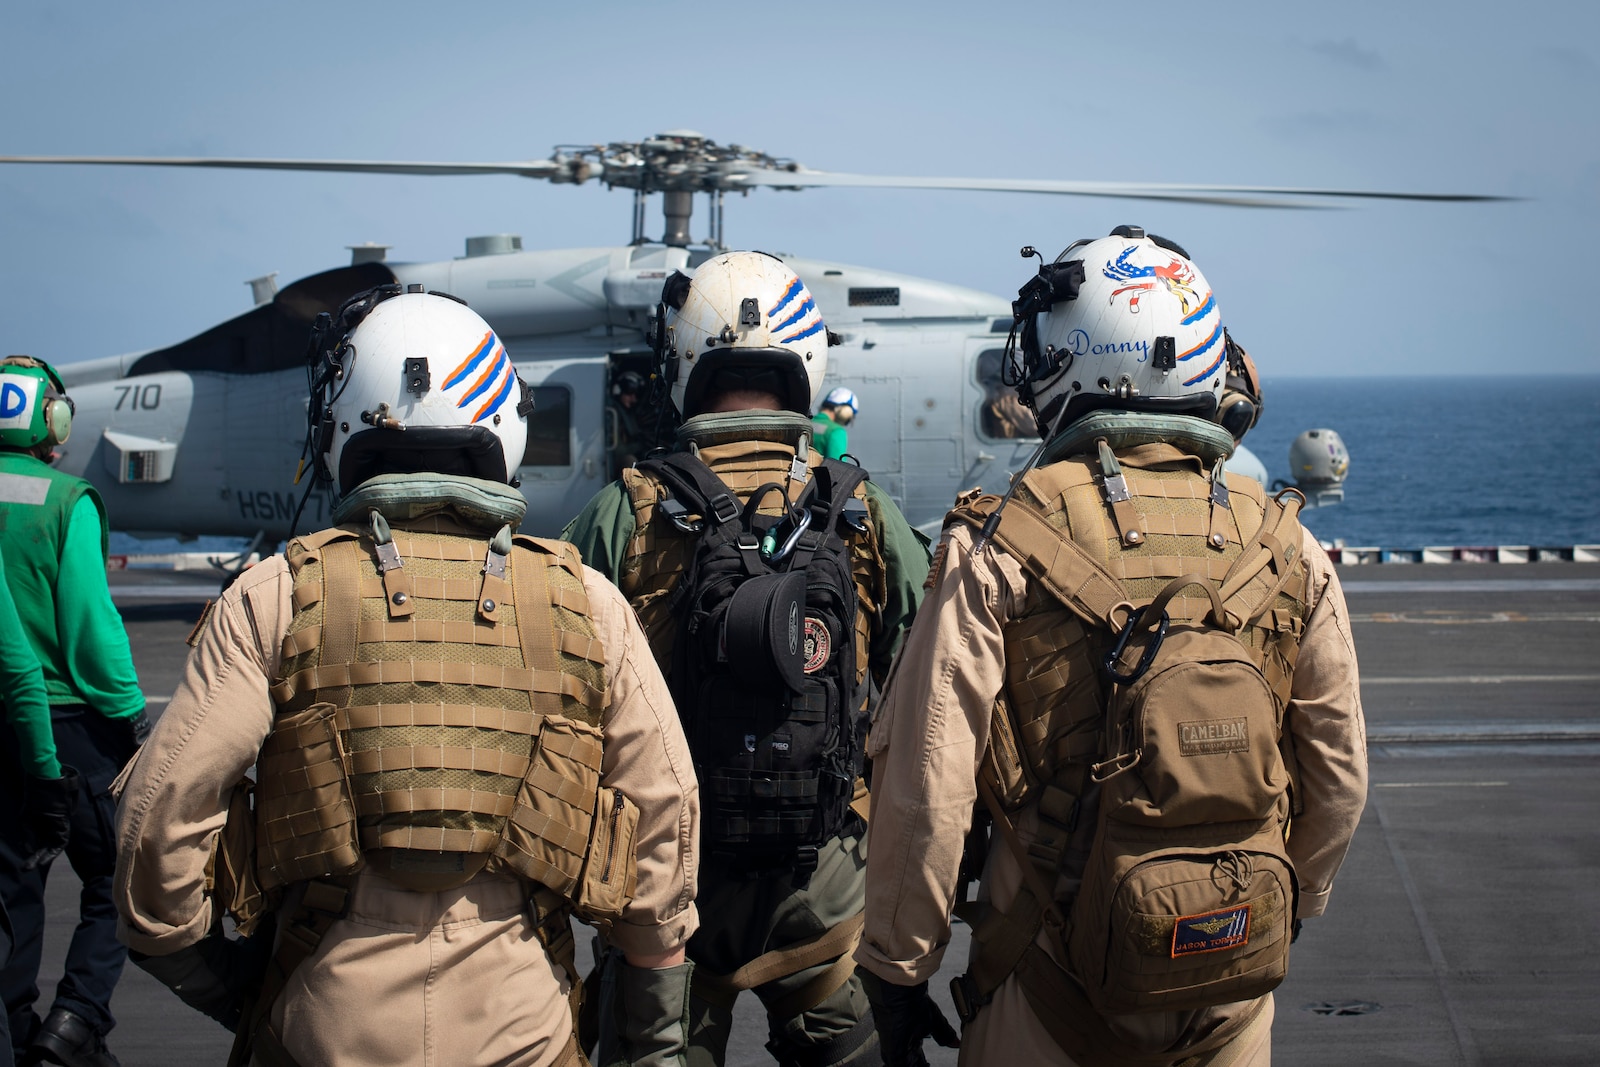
(1149, 664)
(53, 538)
(838, 411)
(772, 583)
(48, 793)
(461, 741)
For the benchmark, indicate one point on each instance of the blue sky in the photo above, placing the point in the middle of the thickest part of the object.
(1475, 97)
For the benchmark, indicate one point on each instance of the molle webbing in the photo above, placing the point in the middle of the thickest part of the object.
(437, 707)
(659, 553)
(1063, 532)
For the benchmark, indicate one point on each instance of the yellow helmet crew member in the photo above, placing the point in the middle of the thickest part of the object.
(460, 735)
(59, 765)
(1140, 890)
(772, 582)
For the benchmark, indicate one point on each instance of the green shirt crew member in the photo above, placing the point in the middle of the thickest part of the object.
(53, 538)
(48, 793)
(838, 411)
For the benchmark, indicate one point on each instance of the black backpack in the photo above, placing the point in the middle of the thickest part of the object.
(764, 665)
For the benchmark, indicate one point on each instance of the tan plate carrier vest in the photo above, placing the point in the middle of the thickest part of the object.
(439, 713)
(1093, 534)
(655, 557)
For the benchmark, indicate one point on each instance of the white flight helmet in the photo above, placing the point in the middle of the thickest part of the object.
(411, 382)
(744, 321)
(843, 397)
(1125, 322)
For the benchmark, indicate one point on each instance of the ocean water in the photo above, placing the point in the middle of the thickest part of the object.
(1458, 461)
(1448, 461)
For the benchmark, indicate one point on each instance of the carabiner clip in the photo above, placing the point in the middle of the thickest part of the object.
(1112, 657)
(793, 539)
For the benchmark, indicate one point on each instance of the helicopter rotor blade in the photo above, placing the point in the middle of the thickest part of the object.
(541, 168)
(1228, 195)
(624, 165)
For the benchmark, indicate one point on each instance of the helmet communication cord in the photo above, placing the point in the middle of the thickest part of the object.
(993, 523)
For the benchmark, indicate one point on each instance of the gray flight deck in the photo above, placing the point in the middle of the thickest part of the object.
(1465, 925)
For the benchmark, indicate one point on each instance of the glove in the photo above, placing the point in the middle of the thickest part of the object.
(132, 731)
(651, 1013)
(47, 805)
(216, 975)
(906, 1016)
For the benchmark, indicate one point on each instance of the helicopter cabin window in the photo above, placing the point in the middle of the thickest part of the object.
(1002, 416)
(549, 428)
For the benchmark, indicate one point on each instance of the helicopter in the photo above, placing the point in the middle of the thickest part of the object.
(203, 437)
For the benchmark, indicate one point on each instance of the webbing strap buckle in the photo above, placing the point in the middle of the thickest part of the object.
(388, 557)
(723, 507)
(1115, 487)
(678, 515)
(855, 515)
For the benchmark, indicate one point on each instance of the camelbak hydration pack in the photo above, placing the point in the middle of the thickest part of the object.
(764, 669)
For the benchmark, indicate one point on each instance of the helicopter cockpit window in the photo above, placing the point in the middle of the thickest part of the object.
(1003, 416)
(549, 428)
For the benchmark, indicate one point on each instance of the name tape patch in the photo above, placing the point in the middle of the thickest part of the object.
(1210, 736)
(1211, 931)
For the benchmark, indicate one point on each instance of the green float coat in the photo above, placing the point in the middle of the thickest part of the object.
(53, 534)
(23, 684)
(830, 438)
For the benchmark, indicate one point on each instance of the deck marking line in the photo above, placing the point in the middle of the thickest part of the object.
(1436, 785)
(1484, 585)
(1481, 679)
(1469, 1051)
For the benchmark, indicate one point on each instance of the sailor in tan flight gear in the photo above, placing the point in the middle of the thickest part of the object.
(461, 739)
(1141, 670)
(773, 584)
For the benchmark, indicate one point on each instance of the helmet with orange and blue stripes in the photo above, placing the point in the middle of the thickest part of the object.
(421, 383)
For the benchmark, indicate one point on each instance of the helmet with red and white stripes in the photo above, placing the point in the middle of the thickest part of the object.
(421, 383)
(743, 322)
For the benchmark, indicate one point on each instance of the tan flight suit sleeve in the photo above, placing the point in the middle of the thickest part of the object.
(1330, 737)
(926, 744)
(647, 760)
(175, 798)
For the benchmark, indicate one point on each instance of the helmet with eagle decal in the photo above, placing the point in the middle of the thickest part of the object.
(745, 321)
(1125, 322)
